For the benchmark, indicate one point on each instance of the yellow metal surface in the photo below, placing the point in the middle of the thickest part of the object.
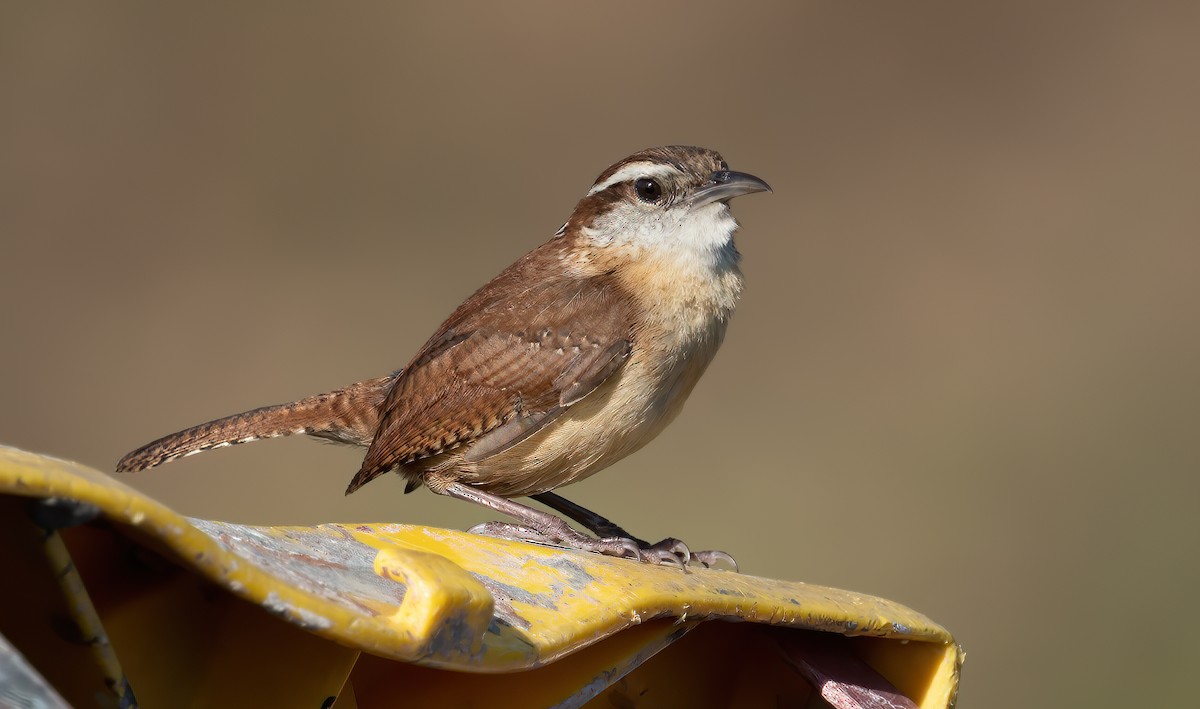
(446, 600)
(83, 614)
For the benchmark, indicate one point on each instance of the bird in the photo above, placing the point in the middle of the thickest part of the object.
(572, 358)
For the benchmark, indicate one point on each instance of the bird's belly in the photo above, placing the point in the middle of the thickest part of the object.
(617, 419)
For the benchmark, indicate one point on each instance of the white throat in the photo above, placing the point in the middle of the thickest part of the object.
(684, 266)
(694, 239)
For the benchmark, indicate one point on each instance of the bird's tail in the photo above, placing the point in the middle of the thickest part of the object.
(348, 415)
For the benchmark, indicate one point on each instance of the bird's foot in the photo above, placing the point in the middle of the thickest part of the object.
(669, 551)
(565, 536)
(674, 551)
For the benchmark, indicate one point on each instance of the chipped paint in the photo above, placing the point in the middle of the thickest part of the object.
(324, 561)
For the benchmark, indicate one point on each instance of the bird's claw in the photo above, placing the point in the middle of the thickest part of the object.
(674, 552)
(711, 558)
(669, 551)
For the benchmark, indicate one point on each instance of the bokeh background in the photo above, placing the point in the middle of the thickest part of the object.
(963, 376)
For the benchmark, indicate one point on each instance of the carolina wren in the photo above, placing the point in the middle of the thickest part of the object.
(572, 358)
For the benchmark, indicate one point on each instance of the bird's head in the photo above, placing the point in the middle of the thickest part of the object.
(671, 200)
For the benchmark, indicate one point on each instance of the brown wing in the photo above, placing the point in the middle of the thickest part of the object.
(506, 363)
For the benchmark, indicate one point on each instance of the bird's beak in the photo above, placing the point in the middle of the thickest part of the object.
(724, 185)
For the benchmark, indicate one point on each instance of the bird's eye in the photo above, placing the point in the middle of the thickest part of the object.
(648, 190)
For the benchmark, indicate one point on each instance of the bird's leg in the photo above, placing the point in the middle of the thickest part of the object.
(539, 525)
(599, 525)
(669, 550)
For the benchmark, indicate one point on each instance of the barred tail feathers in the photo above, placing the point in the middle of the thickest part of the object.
(348, 415)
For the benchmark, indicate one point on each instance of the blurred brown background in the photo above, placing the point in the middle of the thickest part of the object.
(964, 374)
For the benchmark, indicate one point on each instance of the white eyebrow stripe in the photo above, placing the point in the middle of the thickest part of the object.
(644, 168)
